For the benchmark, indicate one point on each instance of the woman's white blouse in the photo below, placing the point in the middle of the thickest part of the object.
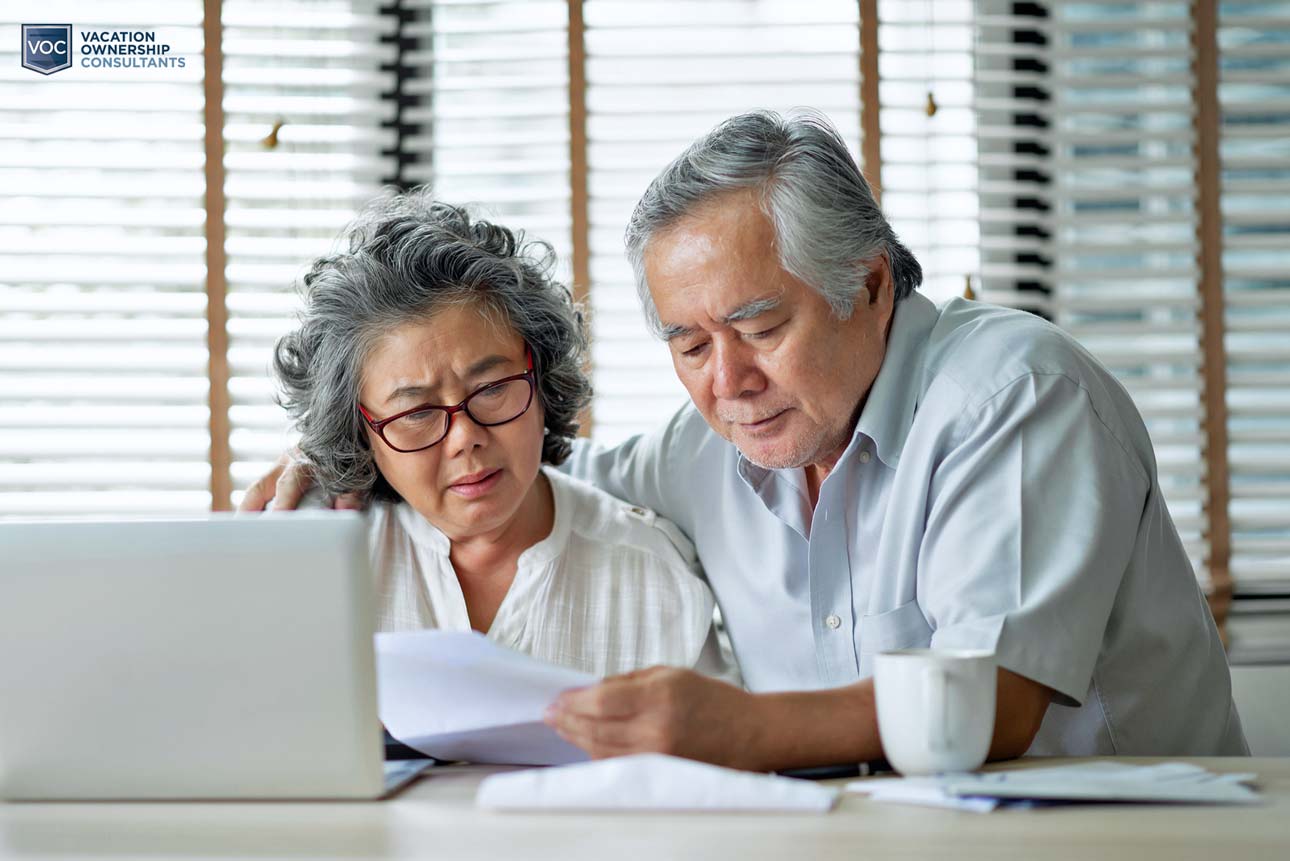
(611, 589)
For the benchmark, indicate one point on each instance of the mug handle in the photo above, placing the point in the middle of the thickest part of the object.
(936, 705)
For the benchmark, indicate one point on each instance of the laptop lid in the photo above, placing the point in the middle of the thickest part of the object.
(220, 657)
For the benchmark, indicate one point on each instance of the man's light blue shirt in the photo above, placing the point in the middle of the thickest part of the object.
(999, 492)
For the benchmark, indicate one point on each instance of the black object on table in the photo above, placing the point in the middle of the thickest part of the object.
(830, 772)
(395, 749)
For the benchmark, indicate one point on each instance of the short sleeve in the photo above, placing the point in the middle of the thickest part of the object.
(1032, 518)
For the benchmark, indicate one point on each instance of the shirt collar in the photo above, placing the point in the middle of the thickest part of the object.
(889, 409)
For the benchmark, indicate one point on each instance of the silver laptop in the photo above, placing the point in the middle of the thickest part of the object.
(221, 657)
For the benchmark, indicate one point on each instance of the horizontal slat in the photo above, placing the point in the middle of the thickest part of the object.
(1273, 50)
(1238, 377)
(114, 502)
(71, 270)
(55, 243)
(65, 330)
(724, 15)
(287, 220)
(102, 301)
(127, 15)
(94, 444)
(149, 418)
(276, 17)
(90, 357)
(101, 158)
(354, 81)
(255, 51)
(92, 387)
(500, 84)
(182, 102)
(103, 474)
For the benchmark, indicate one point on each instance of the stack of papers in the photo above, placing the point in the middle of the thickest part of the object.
(1170, 782)
(459, 696)
(650, 781)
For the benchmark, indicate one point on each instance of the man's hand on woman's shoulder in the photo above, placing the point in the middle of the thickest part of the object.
(285, 484)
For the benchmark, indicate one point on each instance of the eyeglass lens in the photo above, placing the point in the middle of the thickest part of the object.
(492, 405)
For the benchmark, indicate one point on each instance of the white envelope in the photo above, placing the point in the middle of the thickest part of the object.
(1098, 780)
(1109, 781)
(650, 781)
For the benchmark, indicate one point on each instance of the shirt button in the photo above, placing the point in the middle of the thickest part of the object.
(864, 456)
(833, 621)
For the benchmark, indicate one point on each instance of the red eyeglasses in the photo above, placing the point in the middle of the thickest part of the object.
(490, 405)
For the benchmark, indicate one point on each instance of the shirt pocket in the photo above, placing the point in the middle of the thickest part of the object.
(901, 628)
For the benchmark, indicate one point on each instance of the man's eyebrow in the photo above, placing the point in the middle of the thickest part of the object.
(755, 308)
(747, 311)
(672, 330)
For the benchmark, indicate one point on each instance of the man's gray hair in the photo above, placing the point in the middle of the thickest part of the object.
(827, 223)
(408, 257)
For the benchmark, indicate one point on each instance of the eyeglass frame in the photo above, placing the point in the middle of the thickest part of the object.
(379, 425)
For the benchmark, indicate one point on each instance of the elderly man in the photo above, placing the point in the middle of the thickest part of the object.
(860, 470)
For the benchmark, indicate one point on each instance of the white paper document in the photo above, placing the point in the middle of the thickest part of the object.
(923, 791)
(650, 782)
(457, 695)
(1170, 782)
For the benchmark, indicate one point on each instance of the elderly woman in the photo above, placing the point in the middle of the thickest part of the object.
(438, 370)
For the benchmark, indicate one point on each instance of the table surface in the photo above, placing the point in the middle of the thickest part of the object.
(436, 817)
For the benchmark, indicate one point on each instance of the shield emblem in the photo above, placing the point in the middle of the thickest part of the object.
(46, 48)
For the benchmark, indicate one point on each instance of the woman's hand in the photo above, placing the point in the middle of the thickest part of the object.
(283, 486)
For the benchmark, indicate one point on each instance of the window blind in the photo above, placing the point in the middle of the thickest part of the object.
(1012, 91)
(308, 140)
(102, 331)
(659, 75)
(1254, 100)
(488, 111)
(1086, 172)
(929, 147)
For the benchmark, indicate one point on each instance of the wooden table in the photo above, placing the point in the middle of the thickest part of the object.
(436, 818)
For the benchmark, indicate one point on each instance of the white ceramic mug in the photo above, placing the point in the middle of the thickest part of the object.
(935, 708)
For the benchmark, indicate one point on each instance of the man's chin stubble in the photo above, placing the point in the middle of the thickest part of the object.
(774, 460)
(797, 459)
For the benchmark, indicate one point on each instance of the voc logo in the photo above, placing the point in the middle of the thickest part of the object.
(46, 48)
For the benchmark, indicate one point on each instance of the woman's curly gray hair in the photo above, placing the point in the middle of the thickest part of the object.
(408, 257)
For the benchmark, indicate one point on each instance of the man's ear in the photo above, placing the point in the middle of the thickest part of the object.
(877, 284)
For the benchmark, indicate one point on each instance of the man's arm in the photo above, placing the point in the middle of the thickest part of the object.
(1032, 520)
(644, 470)
(679, 712)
